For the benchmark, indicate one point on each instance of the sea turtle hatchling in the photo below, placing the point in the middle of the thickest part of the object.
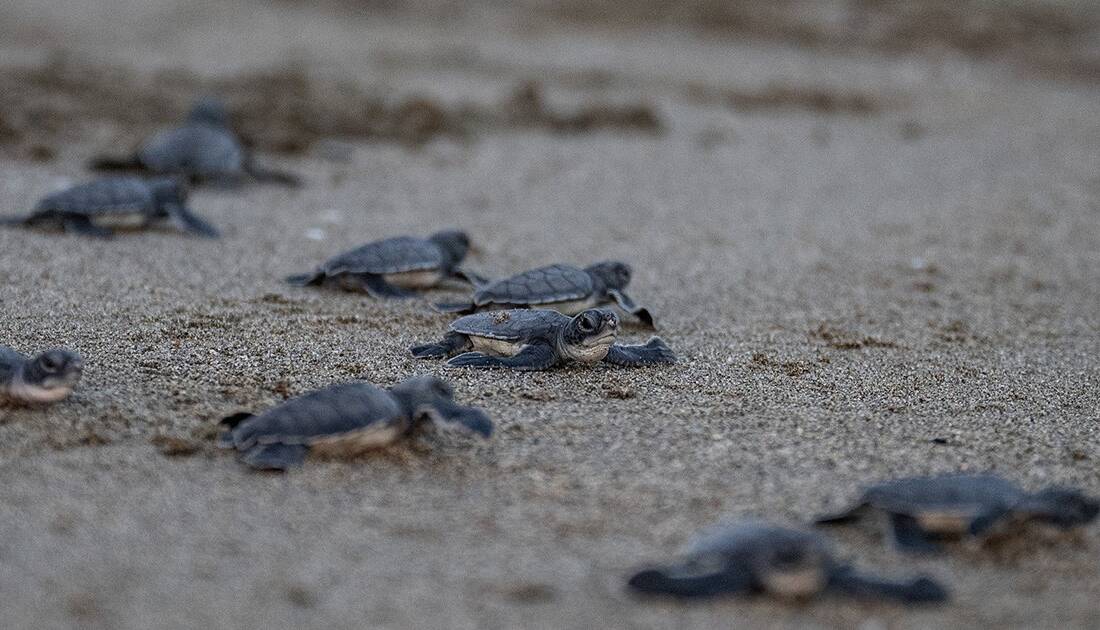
(98, 207)
(923, 510)
(760, 558)
(48, 377)
(563, 288)
(537, 339)
(346, 420)
(387, 268)
(204, 149)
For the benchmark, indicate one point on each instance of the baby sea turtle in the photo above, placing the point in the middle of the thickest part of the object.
(48, 377)
(96, 208)
(346, 420)
(761, 558)
(536, 339)
(562, 288)
(923, 510)
(386, 268)
(204, 148)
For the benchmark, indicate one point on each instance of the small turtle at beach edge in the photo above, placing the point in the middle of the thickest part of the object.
(563, 288)
(346, 420)
(760, 558)
(48, 377)
(925, 510)
(387, 268)
(204, 149)
(99, 207)
(536, 339)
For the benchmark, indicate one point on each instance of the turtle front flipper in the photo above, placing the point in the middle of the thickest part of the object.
(630, 306)
(653, 352)
(533, 357)
(379, 288)
(306, 279)
(275, 456)
(452, 343)
(16, 221)
(469, 277)
(920, 590)
(189, 221)
(663, 581)
(449, 415)
(910, 537)
(263, 174)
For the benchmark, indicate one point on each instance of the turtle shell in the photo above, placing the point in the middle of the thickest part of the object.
(759, 548)
(964, 496)
(391, 255)
(511, 325)
(319, 416)
(544, 285)
(195, 149)
(102, 196)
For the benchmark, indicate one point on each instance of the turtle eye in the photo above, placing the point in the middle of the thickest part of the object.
(586, 324)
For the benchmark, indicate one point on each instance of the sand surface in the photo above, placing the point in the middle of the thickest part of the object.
(872, 261)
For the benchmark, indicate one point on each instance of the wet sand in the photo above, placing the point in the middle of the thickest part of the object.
(905, 285)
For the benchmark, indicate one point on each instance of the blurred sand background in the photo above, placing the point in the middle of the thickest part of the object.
(871, 229)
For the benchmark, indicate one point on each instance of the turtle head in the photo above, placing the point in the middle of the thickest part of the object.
(209, 110)
(50, 376)
(589, 335)
(432, 398)
(1060, 506)
(168, 190)
(612, 273)
(454, 243)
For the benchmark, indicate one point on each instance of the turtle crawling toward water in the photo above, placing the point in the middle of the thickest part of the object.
(761, 558)
(536, 339)
(388, 268)
(563, 288)
(204, 149)
(99, 207)
(346, 420)
(48, 377)
(924, 510)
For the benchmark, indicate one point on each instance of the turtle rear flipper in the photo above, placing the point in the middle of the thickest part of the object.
(664, 582)
(451, 343)
(130, 163)
(916, 591)
(469, 277)
(17, 220)
(652, 352)
(275, 456)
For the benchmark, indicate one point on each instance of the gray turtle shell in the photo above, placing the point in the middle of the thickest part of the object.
(752, 539)
(511, 325)
(544, 285)
(323, 413)
(109, 195)
(195, 149)
(958, 493)
(391, 255)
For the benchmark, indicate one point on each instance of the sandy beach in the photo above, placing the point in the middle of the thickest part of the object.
(875, 249)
